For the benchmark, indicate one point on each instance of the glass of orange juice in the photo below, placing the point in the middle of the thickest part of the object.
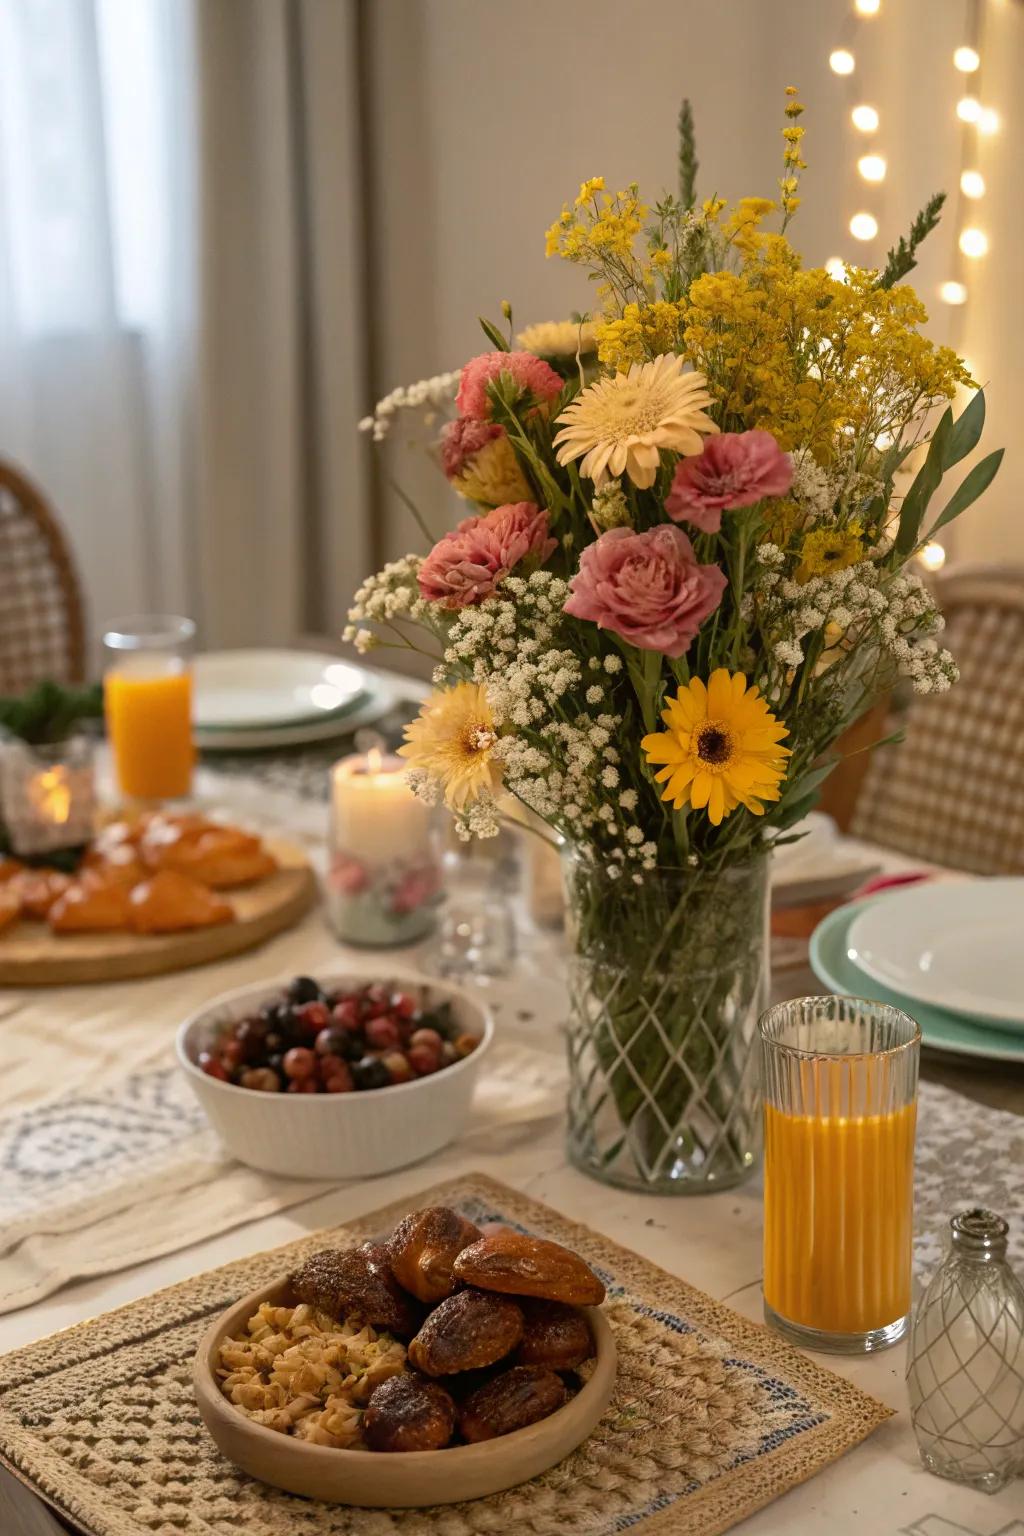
(148, 700)
(840, 1108)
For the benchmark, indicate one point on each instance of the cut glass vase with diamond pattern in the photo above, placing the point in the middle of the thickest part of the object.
(965, 1371)
(667, 979)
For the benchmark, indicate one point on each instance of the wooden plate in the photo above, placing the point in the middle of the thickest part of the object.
(405, 1480)
(33, 956)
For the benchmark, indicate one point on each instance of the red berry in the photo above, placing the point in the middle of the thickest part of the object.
(330, 1065)
(340, 1081)
(312, 1017)
(397, 1064)
(213, 1066)
(423, 1059)
(262, 1080)
(304, 1085)
(428, 1037)
(404, 1004)
(300, 1064)
(383, 1034)
(464, 1044)
(233, 1053)
(347, 1014)
(376, 1000)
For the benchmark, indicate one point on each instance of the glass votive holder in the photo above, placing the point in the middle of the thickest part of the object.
(384, 871)
(839, 1077)
(147, 694)
(47, 794)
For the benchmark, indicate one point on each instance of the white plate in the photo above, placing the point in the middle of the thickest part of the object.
(260, 690)
(957, 944)
(382, 698)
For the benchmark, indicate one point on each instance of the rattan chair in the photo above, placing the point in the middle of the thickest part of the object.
(953, 791)
(42, 627)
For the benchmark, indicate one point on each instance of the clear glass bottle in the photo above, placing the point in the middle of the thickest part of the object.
(965, 1363)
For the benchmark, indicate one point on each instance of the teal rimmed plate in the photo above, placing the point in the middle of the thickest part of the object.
(831, 963)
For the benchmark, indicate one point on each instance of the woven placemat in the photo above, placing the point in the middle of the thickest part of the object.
(712, 1418)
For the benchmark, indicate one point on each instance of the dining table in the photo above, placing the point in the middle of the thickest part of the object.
(56, 1044)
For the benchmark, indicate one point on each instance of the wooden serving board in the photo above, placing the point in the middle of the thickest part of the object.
(33, 956)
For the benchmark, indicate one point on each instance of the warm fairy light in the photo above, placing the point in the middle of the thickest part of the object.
(933, 557)
(836, 268)
(953, 293)
(841, 61)
(973, 242)
(968, 109)
(867, 7)
(864, 118)
(988, 121)
(863, 226)
(966, 60)
(872, 167)
(972, 184)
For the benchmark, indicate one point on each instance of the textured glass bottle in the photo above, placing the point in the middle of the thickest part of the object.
(965, 1371)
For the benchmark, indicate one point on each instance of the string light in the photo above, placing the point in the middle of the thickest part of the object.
(966, 60)
(864, 118)
(932, 557)
(836, 268)
(953, 293)
(972, 184)
(988, 120)
(841, 61)
(872, 167)
(968, 109)
(973, 242)
(867, 7)
(863, 226)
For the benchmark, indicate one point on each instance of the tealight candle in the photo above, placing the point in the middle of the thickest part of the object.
(47, 797)
(384, 873)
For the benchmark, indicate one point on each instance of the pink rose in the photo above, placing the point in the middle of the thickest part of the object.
(467, 565)
(647, 587)
(532, 375)
(735, 469)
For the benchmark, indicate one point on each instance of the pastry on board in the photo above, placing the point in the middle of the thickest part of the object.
(169, 902)
(10, 906)
(90, 905)
(38, 889)
(220, 857)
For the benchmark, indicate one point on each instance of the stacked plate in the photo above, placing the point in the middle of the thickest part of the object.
(949, 952)
(249, 700)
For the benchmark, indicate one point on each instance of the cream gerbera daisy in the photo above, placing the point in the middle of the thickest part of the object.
(559, 338)
(721, 748)
(453, 742)
(621, 423)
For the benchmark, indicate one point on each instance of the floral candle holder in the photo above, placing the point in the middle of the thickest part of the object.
(384, 872)
(47, 795)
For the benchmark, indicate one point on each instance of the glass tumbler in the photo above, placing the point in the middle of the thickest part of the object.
(147, 690)
(839, 1077)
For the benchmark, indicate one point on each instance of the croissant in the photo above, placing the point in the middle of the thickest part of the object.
(38, 889)
(9, 868)
(218, 856)
(10, 906)
(168, 902)
(116, 864)
(90, 905)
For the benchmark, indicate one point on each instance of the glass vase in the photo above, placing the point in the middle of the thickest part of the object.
(667, 978)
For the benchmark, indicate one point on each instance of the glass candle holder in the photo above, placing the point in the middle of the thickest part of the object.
(147, 691)
(384, 874)
(47, 795)
(840, 1107)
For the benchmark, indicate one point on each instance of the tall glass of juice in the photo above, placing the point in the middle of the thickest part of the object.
(148, 699)
(840, 1107)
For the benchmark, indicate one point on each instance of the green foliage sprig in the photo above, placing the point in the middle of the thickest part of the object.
(688, 162)
(902, 258)
(49, 711)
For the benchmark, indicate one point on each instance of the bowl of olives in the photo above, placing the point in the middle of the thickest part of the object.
(344, 1075)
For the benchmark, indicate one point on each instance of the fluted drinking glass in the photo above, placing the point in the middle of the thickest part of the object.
(840, 1107)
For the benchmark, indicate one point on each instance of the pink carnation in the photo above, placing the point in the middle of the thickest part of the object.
(735, 469)
(647, 587)
(468, 564)
(531, 374)
(462, 440)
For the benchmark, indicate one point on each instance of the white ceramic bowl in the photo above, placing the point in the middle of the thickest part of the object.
(337, 1135)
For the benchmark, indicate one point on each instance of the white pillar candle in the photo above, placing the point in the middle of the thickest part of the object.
(384, 873)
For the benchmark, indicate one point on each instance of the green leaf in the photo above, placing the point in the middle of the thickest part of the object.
(915, 503)
(493, 334)
(967, 431)
(970, 488)
(811, 779)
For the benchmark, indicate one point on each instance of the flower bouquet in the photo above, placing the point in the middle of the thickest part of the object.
(688, 568)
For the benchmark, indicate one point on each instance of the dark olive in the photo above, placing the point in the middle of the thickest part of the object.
(304, 990)
(370, 1072)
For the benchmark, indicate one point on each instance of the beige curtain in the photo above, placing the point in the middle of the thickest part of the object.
(282, 530)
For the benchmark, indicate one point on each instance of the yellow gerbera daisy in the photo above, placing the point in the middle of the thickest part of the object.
(453, 741)
(559, 338)
(721, 748)
(620, 424)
